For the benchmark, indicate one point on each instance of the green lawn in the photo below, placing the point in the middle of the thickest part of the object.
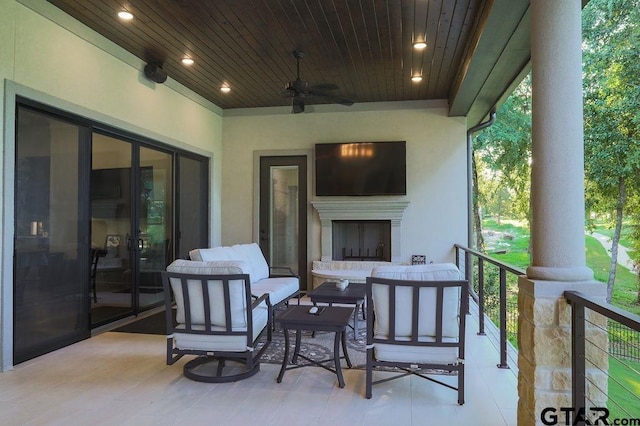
(624, 388)
(625, 291)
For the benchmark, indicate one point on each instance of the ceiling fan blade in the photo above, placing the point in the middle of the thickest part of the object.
(333, 98)
(343, 101)
(325, 86)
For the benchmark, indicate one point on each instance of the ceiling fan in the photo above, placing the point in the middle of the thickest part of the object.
(300, 90)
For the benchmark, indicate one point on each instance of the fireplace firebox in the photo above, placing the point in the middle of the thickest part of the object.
(362, 240)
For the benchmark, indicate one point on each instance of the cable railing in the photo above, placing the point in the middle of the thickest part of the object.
(604, 351)
(606, 367)
(493, 285)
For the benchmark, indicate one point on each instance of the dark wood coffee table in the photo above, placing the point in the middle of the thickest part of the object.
(333, 319)
(354, 294)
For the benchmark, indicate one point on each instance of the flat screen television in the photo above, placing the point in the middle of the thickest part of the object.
(361, 168)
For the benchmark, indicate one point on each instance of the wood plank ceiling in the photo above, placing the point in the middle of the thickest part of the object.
(365, 47)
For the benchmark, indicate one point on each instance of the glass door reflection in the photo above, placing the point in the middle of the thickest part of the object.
(111, 206)
(155, 223)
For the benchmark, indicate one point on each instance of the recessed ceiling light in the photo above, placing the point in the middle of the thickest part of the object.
(419, 45)
(187, 60)
(125, 15)
(225, 88)
(416, 78)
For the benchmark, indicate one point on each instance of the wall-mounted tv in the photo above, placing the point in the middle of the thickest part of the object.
(361, 168)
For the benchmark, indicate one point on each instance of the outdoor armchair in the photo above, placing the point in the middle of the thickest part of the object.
(416, 322)
(218, 321)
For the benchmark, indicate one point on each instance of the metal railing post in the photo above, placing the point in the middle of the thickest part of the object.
(481, 296)
(503, 319)
(578, 355)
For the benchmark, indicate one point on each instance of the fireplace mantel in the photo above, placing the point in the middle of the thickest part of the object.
(391, 210)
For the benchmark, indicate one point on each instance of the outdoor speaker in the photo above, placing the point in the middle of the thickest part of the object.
(155, 73)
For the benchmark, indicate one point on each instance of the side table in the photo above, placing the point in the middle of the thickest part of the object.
(354, 294)
(328, 319)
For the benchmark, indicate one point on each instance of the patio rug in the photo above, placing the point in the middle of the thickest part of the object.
(318, 347)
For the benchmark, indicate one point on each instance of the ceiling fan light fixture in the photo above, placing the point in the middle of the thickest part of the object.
(225, 88)
(187, 61)
(125, 15)
(420, 45)
(416, 78)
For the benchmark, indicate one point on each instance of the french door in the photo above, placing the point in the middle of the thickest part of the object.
(283, 213)
(131, 226)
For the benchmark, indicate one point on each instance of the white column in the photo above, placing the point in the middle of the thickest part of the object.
(557, 187)
(557, 222)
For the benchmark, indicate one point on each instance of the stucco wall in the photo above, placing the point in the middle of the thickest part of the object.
(436, 166)
(49, 57)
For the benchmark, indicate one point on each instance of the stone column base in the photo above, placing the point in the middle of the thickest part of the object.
(544, 347)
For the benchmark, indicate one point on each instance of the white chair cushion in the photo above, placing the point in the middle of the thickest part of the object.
(216, 296)
(278, 288)
(426, 319)
(404, 299)
(416, 354)
(222, 343)
(216, 302)
(430, 272)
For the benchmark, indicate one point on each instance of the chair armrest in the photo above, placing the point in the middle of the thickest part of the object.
(259, 300)
(286, 271)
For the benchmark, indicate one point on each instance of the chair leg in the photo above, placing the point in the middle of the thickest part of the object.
(369, 374)
(461, 386)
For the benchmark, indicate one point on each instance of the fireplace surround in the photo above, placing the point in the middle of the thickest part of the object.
(360, 210)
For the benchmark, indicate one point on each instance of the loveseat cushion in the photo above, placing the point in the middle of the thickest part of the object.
(223, 267)
(278, 288)
(250, 253)
(213, 253)
(253, 254)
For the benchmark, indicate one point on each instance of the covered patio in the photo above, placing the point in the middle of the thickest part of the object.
(122, 378)
(119, 378)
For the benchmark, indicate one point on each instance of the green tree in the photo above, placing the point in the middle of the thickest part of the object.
(503, 151)
(611, 53)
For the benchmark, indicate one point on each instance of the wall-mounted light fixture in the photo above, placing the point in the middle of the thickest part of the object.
(419, 45)
(154, 72)
(416, 78)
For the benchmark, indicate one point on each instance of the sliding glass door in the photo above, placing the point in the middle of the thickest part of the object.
(51, 257)
(95, 225)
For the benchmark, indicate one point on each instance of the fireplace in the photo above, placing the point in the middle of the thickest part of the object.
(361, 213)
(362, 240)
